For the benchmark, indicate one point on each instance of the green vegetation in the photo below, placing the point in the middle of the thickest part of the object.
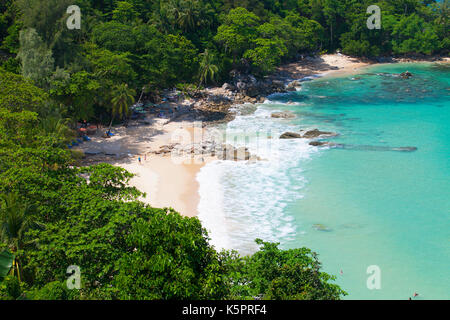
(54, 214)
(161, 44)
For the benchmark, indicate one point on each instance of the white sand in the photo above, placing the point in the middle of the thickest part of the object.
(328, 64)
(166, 184)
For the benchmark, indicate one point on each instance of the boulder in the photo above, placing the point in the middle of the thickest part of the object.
(293, 86)
(228, 86)
(316, 133)
(406, 75)
(228, 152)
(291, 135)
(283, 115)
(319, 143)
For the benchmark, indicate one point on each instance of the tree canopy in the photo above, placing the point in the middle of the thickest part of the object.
(55, 214)
(63, 214)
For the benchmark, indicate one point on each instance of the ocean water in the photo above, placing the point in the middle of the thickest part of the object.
(363, 205)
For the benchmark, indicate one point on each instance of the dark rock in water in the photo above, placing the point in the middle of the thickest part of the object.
(290, 135)
(323, 144)
(318, 143)
(377, 148)
(316, 133)
(405, 149)
(406, 75)
(283, 115)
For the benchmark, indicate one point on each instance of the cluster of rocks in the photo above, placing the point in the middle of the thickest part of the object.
(208, 149)
(293, 86)
(322, 144)
(312, 134)
(229, 152)
(214, 105)
(248, 85)
(406, 75)
(165, 150)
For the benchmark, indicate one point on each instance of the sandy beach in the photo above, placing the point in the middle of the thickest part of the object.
(327, 65)
(169, 182)
(165, 183)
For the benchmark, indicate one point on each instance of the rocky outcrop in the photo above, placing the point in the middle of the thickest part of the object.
(293, 85)
(319, 143)
(316, 133)
(406, 75)
(291, 135)
(252, 87)
(208, 149)
(312, 134)
(283, 115)
(229, 87)
(165, 150)
(229, 152)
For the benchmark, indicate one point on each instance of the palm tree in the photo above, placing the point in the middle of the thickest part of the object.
(15, 221)
(123, 97)
(172, 9)
(208, 70)
(186, 18)
(58, 126)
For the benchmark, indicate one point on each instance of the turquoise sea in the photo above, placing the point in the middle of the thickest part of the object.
(359, 206)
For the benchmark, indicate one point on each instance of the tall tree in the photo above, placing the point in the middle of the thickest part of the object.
(37, 60)
(208, 70)
(15, 220)
(122, 99)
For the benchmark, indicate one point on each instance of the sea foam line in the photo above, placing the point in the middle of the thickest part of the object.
(241, 201)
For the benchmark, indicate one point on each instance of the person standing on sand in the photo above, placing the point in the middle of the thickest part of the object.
(140, 161)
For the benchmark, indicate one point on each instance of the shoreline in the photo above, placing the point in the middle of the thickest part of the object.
(173, 184)
(166, 185)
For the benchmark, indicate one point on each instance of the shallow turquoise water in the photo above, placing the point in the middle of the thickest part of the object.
(385, 208)
(390, 209)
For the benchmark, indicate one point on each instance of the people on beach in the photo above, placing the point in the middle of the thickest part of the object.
(140, 160)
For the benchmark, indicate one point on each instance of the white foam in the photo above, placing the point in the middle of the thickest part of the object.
(240, 201)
